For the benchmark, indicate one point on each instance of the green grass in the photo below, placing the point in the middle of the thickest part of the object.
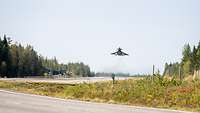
(160, 92)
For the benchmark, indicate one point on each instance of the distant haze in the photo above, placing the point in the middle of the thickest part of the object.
(151, 31)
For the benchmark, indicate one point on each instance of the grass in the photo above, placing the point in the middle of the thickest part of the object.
(159, 92)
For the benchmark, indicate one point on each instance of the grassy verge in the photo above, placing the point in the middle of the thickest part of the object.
(161, 93)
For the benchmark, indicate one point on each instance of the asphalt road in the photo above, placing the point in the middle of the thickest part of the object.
(11, 102)
(67, 80)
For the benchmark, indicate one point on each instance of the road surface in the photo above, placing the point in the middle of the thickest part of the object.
(11, 102)
(67, 80)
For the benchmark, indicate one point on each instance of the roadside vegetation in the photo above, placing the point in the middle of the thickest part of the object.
(152, 92)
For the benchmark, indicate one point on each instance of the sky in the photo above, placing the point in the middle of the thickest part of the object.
(151, 31)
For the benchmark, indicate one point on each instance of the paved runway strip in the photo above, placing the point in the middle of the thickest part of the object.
(11, 102)
(67, 80)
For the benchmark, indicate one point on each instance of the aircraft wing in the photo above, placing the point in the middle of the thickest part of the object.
(114, 53)
(124, 54)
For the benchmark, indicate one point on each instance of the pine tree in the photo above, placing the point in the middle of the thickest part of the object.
(186, 61)
(198, 57)
(5, 57)
(1, 50)
(14, 60)
(194, 64)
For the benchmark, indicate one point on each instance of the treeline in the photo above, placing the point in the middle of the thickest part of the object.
(52, 67)
(19, 61)
(104, 74)
(79, 70)
(189, 64)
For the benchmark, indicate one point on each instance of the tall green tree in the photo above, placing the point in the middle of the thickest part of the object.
(186, 61)
(14, 60)
(1, 50)
(5, 57)
(194, 64)
(198, 57)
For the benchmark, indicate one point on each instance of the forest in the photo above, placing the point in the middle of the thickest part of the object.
(17, 60)
(190, 62)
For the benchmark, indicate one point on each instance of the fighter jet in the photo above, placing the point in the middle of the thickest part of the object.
(119, 53)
